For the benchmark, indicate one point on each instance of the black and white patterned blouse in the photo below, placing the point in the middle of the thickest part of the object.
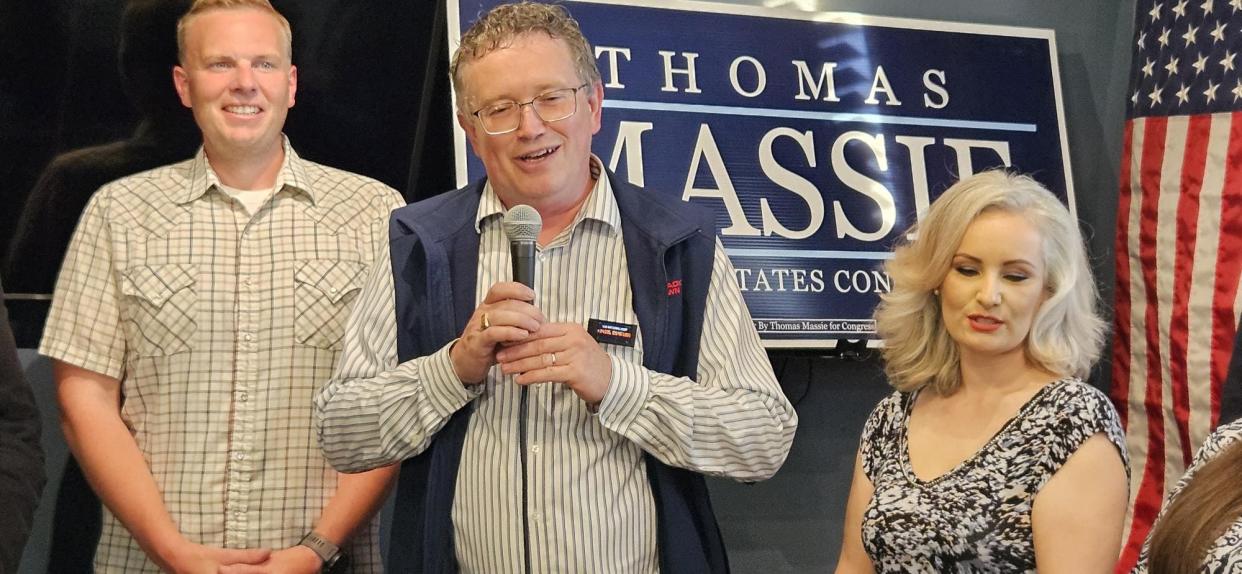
(1225, 555)
(977, 516)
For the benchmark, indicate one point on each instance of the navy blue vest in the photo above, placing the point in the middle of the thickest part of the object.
(435, 251)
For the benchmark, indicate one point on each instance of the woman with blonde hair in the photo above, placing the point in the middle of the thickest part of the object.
(992, 455)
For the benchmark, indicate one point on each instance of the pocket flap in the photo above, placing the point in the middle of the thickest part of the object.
(333, 277)
(156, 283)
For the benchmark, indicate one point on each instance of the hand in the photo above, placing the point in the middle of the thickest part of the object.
(505, 316)
(191, 558)
(560, 353)
(296, 559)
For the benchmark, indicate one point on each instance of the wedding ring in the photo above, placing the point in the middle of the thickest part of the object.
(486, 324)
(553, 357)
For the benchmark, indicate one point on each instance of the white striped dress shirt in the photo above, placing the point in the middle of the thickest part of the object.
(590, 504)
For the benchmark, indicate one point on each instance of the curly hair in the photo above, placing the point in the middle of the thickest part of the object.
(201, 6)
(1067, 331)
(504, 24)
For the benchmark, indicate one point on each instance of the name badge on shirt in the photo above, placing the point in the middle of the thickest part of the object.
(612, 333)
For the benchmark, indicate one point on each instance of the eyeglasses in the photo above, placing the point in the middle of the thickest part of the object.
(505, 116)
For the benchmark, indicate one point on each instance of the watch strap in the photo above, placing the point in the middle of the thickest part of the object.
(324, 548)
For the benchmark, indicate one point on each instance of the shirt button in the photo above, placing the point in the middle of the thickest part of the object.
(239, 456)
(247, 336)
(535, 449)
(241, 397)
(536, 517)
(332, 290)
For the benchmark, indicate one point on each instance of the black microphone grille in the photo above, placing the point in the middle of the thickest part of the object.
(523, 223)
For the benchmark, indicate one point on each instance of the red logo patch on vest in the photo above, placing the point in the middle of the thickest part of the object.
(674, 287)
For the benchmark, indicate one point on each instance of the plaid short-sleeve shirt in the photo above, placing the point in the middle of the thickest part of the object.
(222, 326)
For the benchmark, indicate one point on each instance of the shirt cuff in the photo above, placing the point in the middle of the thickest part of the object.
(446, 392)
(627, 395)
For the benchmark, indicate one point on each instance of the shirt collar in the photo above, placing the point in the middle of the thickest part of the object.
(292, 174)
(600, 204)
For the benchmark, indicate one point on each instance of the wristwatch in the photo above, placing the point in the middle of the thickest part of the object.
(324, 548)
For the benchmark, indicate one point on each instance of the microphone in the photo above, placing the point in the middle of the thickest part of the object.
(522, 226)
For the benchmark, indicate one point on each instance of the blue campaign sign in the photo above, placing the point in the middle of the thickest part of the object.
(818, 138)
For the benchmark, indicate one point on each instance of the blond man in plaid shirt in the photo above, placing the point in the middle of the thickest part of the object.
(200, 307)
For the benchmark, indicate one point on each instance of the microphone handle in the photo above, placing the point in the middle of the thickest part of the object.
(523, 255)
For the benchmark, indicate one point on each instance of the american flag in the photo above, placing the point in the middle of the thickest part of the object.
(1179, 241)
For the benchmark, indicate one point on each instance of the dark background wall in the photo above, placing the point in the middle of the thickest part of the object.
(788, 524)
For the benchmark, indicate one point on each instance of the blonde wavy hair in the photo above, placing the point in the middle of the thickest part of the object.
(201, 6)
(504, 24)
(1067, 331)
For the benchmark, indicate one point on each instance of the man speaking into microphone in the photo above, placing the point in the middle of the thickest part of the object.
(562, 426)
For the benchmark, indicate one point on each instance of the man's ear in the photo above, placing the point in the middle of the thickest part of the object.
(595, 100)
(467, 126)
(181, 81)
(293, 85)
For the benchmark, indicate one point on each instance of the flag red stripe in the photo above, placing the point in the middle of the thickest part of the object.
(1151, 487)
(1228, 265)
(1186, 230)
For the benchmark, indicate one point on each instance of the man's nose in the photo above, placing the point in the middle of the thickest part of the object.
(243, 78)
(529, 122)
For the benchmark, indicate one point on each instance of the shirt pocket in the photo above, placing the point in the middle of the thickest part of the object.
(323, 292)
(161, 308)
